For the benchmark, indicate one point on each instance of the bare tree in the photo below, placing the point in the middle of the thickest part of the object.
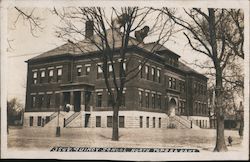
(218, 34)
(112, 38)
(28, 15)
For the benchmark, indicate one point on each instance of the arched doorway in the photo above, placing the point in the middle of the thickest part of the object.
(172, 107)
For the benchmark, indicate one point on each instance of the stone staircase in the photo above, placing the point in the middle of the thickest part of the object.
(75, 120)
(62, 115)
(180, 122)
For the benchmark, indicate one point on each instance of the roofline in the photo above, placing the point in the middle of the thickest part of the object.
(117, 49)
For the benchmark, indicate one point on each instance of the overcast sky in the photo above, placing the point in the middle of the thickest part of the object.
(24, 46)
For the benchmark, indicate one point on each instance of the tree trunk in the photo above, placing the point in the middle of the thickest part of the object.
(115, 132)
(220, 140)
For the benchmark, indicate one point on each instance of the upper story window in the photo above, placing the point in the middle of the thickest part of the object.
(159, 101)
(99, 99)
(147, 99)
(140, 70)
(147, 72)
(159, 75)
(40, 101)
(153, 73)
(124, 66)
(172, 82)
(59, 74)
(48, 104)
(173, 61)
(123, 98)
(153, 100)
(51, 74)
(110, 70)
(42, 76)
(140, 98)
(87, 69)
(99, 71)
(34, 77)
(33, 101)
(79, 70)
(109, 100)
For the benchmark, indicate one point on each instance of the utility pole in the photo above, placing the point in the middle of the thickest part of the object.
(58, 131)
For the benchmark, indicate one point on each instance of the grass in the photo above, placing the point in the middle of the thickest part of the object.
(44, 138)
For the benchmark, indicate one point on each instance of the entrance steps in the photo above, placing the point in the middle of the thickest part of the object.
(62, 115)
(180, 122)
(75, 120)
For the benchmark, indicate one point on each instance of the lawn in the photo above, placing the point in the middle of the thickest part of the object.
(44, 138)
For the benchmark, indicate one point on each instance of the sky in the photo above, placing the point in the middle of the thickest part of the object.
(24, 46)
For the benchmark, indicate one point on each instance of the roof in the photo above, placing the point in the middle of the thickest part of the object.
(113, 37)
(87, 46)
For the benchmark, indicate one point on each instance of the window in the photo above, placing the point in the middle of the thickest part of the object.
(124, 66)
(109, 121)
(109, 100)
(98, 121)
(159, 122)
(87, 70)
(34, 77)
(159, 75)
(140, 98)
(39, 121)
(31, 121)
(40, 101)
(51, 73)
(141, 121)
(42, 74)
(123, 98)
(147, 99)
(121, 122)
(140, 70)
(147, 122)
(147, 72)
(153, 122)
(33, 101)
(47, 119)
(99, 72)
(79, 70)
(99, 100)
(159, 101)
(153, 73)
(110, 70)
(59, 74)
(182, 107)
(48, 101)
(172, 82)
(153, 100)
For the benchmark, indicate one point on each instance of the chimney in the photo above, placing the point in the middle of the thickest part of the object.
(89, 29)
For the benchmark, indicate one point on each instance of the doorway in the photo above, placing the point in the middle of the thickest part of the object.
(172, 107)
(87, 100)
(77, 101)
(66, 98)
